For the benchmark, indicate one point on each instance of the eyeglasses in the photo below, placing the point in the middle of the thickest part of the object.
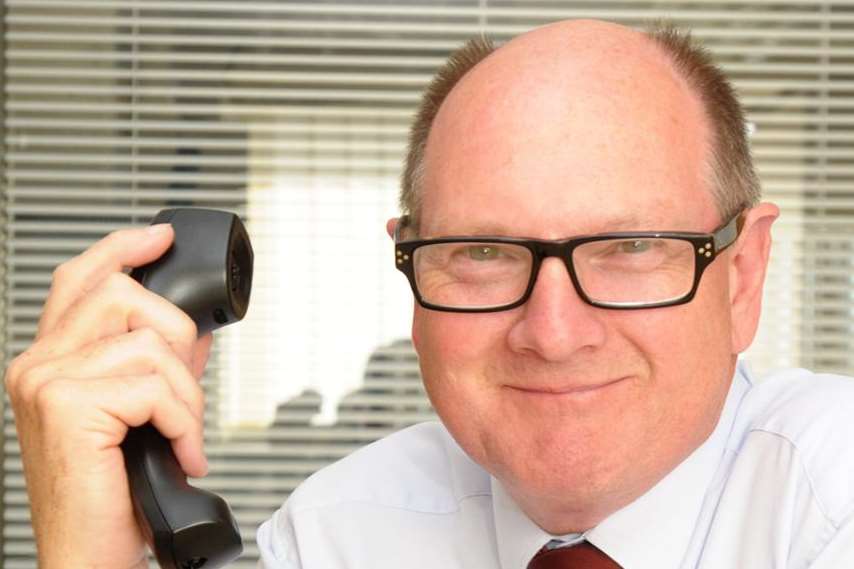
(627, 270)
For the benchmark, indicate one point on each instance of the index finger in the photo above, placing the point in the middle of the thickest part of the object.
(120, 249)
(119, 305)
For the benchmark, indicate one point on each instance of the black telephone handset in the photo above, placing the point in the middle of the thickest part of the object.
(208, 274)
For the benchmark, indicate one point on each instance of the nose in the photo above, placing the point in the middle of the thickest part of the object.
(556, 323)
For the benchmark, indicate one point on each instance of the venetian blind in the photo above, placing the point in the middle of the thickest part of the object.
(294, 115)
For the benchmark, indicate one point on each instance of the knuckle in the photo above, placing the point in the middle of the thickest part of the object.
(167, 398)
(110, 296)
(153, 348)
(160, 388)
(13, 372)
(182, 336)
(151, 389)
(61, 272)
(118, 283)
(49, 396)
(198, 399)
(189, 329)
(24, 386)
(150, 339)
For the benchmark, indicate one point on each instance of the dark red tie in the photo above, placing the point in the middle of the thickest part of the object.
(582, 556)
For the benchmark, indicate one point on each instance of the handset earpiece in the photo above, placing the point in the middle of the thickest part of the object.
(208, 274)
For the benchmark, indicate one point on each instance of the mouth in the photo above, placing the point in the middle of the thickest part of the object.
(566, 390)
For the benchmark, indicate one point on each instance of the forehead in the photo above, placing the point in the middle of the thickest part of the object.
(568, 140)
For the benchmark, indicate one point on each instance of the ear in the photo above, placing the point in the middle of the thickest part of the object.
(390, 226)
(748, 260)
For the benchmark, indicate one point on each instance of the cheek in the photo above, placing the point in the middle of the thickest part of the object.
(689, 353)
(454, 352)
(458, 343)
(696, 331)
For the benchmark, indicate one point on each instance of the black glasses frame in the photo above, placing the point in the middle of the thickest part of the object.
(707, 247)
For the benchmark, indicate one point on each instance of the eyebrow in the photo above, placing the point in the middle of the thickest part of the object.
(607, 225)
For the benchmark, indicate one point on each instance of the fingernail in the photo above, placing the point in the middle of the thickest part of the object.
(158, 229)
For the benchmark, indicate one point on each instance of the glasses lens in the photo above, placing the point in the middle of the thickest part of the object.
(471, 274)
(633, 272)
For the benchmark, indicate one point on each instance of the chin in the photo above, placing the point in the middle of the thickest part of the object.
(563, 496)
(538, 457)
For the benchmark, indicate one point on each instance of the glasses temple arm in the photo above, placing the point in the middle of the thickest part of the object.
(402, 222)
(726, 235)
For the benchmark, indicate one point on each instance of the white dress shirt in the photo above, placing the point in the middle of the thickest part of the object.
(772, 487)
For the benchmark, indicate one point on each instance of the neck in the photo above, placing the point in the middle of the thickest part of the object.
(560, 516)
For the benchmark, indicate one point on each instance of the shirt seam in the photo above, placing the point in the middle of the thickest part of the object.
(808, 475)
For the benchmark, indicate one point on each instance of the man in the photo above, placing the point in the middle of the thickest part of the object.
(590, 398)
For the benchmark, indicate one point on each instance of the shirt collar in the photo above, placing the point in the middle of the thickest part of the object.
(518, 537)
(632, 536)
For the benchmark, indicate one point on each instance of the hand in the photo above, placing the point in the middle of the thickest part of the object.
(108, 355)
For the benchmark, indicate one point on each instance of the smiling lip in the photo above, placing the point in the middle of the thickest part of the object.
(570, 390)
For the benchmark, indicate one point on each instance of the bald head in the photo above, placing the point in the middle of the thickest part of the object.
(566, 53)
(585, 84)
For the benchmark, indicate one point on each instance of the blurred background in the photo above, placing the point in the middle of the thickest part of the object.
(294, 115)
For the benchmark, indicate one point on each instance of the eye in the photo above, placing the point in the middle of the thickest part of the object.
(483, 252)
(634, 247)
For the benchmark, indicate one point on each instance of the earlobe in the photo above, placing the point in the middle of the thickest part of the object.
(748, 263)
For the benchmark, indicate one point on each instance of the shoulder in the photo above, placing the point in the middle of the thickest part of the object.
(807, 407)
(364, 509)
(420, 468)
(813, 414)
